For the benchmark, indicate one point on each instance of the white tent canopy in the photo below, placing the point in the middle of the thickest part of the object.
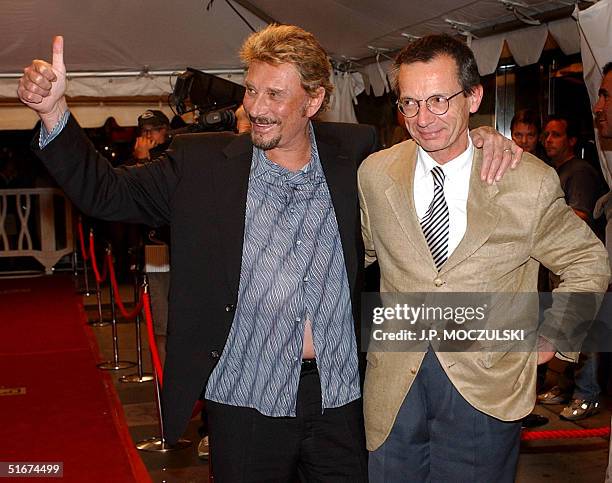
(119, 35)
(128, 48)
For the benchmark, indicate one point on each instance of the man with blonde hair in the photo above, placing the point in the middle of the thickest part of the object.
(267, 260)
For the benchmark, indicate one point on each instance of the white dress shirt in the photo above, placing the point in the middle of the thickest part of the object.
(456, 188)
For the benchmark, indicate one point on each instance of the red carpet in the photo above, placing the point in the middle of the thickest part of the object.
(70, 411)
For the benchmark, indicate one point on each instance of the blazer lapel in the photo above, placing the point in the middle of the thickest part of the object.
(231, 180)
(401, 199)
(482, 216)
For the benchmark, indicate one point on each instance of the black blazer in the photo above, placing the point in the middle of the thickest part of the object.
(199, 187)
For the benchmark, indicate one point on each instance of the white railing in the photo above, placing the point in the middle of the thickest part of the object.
(29, 228)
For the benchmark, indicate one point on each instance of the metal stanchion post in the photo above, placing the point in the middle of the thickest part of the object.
(98, 291)
(75, 270)
(115, 364)
(159, 444)
(140, 375)
(75, 264)
(100, 322)
(86, 290)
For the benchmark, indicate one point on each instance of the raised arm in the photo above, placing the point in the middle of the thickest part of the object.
(99, 190)
(43, 85)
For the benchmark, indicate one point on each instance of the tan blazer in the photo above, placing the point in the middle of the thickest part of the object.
(511, 225)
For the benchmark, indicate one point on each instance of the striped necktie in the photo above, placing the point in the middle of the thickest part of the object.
(435, 220)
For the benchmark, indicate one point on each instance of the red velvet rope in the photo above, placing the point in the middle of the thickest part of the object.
(157, 367)
(82, 240)
(144, 302)
(94, 262)
(128, 315)
(566, 434)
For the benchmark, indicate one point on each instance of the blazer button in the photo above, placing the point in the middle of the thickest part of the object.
(214, 354)
(413, 370)
(438, 282)
(230, 307)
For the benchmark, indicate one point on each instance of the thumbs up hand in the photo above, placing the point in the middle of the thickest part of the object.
(43, 85)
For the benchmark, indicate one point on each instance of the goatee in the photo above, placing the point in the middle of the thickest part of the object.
(265, 144)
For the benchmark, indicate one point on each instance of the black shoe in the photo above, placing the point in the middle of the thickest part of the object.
(533, 421)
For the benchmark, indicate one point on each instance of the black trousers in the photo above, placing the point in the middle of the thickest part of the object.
(247, 446)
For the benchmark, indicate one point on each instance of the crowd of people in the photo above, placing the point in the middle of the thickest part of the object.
(582, 185)
(270, 232)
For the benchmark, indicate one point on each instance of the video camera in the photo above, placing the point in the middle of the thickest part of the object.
(212, 98)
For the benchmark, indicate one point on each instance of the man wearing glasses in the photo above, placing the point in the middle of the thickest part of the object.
(435, 228)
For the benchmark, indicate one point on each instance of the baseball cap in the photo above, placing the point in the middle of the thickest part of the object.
(153, 118)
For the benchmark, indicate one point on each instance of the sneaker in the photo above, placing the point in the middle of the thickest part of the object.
(203, 448)
(579, 409)
(553, 396)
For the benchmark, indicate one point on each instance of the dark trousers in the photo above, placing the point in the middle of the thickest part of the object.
(439, 437)
(247, 446)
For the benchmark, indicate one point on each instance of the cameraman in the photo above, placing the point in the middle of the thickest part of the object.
(153, 139)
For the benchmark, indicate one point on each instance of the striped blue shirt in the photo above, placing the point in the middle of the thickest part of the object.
(292, 270)
(46, 137)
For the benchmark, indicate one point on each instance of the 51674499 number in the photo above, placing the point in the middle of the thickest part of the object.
(31, 469)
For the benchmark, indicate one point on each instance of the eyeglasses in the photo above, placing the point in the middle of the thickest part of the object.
(436, 104)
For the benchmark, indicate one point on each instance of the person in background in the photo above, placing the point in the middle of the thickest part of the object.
(152, 141)
(582, 186)
(603, 122)
(525, 131)
(580, 182)
(128, 239)
(153, 138)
